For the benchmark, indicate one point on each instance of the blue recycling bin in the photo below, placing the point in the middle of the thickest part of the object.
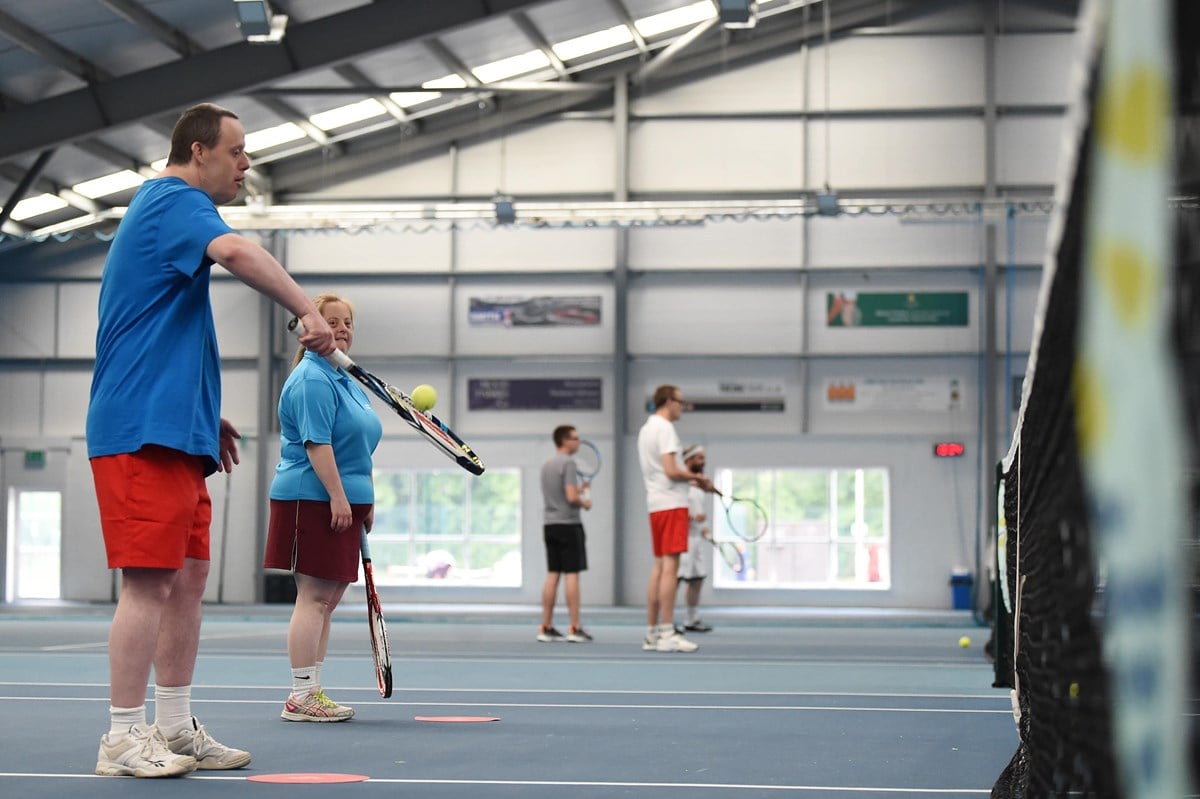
(961, 582)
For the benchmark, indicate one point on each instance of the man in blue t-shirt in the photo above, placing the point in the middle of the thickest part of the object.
(154, 432)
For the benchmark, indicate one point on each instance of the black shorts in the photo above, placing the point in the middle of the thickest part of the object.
(565, 550)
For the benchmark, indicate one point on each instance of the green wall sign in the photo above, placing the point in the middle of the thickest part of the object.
(896, 309)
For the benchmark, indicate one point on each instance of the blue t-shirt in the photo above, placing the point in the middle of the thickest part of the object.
(323, 405)
(157, 377)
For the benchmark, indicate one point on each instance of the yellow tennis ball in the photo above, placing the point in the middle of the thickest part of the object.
(964, 642)
(424, 397)
(1073, 690)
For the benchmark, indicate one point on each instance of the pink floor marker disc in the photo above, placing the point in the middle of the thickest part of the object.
(467, 719)
(308, 779)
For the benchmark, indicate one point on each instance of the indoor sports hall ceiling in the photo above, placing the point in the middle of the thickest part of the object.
(89, 89)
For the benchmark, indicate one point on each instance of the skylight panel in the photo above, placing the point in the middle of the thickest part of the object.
(593, 42)
(675, 18)
(267, 138)
(348, 114)
(521, 64)
(108, 184)
(407, 99)
(37, 205)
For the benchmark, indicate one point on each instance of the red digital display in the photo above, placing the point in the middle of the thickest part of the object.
(948, 449)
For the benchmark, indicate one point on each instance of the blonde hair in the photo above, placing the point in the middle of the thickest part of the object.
(321, 300)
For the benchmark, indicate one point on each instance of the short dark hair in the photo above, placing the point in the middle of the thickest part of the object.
(664, 394)
(562, 433)
(200, 123)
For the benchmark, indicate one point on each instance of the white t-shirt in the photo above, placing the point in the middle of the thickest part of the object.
(656, 438)
(693, 564)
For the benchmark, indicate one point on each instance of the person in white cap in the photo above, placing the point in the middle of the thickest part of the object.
(693, 564)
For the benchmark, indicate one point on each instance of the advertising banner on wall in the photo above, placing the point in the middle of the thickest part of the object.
(534, 394)
(896, 309)
(862, 394)
(534, 311)
(725, 396)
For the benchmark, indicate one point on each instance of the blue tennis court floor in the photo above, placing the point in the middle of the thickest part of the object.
(773, 704)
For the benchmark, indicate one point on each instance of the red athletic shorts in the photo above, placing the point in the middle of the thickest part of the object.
(154, 507)
(669, 531)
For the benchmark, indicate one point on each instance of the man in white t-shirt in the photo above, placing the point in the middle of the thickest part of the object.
(693, 564)
(667, 484)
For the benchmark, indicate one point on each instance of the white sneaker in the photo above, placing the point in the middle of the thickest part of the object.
(650, 643)
(141, 753)
(208, 751)
(578, 635)
(674, 642)
(315, 707)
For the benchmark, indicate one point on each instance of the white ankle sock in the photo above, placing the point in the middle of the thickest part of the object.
(172, 709)
(304, 681)
(122, 718)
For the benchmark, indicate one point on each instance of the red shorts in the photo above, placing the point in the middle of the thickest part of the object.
(154, 507)
(669, 531)
(299, 540)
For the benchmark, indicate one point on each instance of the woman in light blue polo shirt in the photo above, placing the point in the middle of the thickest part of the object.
(321, 497)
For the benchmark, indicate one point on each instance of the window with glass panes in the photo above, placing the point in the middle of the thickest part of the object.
(447, 527)
(829, 528)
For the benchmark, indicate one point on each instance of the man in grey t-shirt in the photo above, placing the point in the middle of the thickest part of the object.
(563, 533)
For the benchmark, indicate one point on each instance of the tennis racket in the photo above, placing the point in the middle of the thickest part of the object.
(424, 422)
(379, 642)
(587, 464)
(744, 516)
(730, 554)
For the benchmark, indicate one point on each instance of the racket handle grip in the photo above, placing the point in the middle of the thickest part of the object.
(337, 358)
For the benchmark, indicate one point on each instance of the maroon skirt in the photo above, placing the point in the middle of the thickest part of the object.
(299, 540)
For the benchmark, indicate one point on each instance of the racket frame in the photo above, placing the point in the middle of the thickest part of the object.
(586, 476)
(434, 429)
(380, 650)
(728, 503)
(728, 551)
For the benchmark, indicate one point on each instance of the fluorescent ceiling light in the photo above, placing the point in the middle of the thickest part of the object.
(348, 114)
(675, 18)
(407, 99)
(108, 184)
(521, 64)
(267, 138)
(37, 205)
(593, 42)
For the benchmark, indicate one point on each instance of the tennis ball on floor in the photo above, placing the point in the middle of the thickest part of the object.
(424, 397)
(964, 642)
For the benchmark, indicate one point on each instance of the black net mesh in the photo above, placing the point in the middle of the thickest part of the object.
(1187, 300)
(1062, 686)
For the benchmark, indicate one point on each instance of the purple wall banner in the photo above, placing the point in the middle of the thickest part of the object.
(534, 394)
